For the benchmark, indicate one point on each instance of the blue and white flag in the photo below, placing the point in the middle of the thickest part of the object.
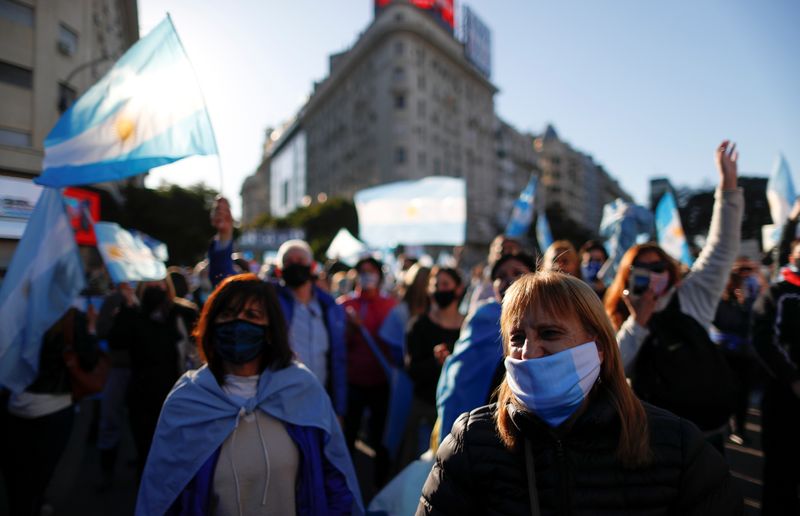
(543, 235)
(781, 196)
(159, 248)
(670, 231)
(522, 212)
(432, 210)
(127, 258)
(43, 280)
(623, 225)
(145, 112)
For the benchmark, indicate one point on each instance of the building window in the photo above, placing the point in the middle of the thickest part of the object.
(16, 75)
(421, 82)
(67, 40)
(398, 73)
(421, 109)
(17, 13)
(437, 166)
(400, 155)
(422, 160)
(400, 101)
(66, 97)
(285, 193)
(15, 138)
(398, 48)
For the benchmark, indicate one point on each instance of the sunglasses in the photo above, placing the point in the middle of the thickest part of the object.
(657, 267)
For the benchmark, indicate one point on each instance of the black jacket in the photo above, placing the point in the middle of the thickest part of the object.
(577, 472)
(776, 331)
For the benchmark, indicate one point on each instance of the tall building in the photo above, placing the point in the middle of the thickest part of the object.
(515, 162)
(403, 102)
(574, 181)
(50, 53)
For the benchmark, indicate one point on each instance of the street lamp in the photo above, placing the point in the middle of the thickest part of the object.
(64, 101)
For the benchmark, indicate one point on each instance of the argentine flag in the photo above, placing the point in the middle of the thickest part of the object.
(522, 213)
(145, 112)
(44, 278)
(432, 210)
(670, 231)
(781, 195)
(543, 235)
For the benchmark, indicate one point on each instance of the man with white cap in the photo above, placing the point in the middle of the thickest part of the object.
(316, 323)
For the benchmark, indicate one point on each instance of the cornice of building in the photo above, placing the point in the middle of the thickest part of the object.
(130, 22)
(395, 18)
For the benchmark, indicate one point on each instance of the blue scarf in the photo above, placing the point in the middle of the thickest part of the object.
(467, 374)
(198, 416)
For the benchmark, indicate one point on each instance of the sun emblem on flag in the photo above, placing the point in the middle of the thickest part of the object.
(125, 128)
(677, 232)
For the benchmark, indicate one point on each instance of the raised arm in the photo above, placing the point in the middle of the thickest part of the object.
(702, 288)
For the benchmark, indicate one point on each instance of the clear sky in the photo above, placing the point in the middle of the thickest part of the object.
(648, 88)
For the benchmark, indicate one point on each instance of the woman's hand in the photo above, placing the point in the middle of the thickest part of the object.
(726, 158)
(222, 220)
(640, 307)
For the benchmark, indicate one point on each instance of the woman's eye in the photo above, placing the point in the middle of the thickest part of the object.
(517, 339)
(550, 334)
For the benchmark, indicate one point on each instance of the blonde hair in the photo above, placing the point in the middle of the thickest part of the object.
(559, 294)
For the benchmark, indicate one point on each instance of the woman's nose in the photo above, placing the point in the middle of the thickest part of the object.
(532, 349)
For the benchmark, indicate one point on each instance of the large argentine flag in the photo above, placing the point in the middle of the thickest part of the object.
(781, 195)
(670, 231)
(432, 210)
(145, 112)
(44, 278)
(522, 213)
(126, 256)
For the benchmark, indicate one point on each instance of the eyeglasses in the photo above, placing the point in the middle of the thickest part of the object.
(660, 266)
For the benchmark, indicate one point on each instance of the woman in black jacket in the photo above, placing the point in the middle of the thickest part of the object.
(567, 435)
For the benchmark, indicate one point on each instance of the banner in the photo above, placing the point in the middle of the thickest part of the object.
(543, 235)
(781, 196)
(127, 258)
(431, 211)
(83, 208)
(623, 225)
(522, 213)
(147, 111)
(670, 231)
(44, 278)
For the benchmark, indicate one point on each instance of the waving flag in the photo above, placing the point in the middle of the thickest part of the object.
(622, 225)
(670, 231)
(432, 210)
(126, 256)
(145, 112)
(781, 196)
(543, 235)
(44, 278)
(522, 213)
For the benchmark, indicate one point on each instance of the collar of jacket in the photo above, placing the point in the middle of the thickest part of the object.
(599, 416)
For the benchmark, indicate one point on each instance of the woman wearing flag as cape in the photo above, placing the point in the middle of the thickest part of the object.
(252, 431)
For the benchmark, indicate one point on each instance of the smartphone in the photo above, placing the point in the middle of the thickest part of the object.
(639, 281)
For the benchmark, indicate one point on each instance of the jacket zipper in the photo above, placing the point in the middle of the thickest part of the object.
(562, 470)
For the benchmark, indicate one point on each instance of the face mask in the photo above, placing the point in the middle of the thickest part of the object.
(444, 298)
(296, 274)
(238, 341)
(152, 299)
(591, 269)
(659, 281)
(553, 387)
(368, 280)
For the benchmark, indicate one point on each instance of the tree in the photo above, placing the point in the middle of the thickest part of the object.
(177, 216)
(321, 222)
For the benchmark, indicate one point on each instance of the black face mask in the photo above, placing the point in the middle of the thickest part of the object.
(296, 274)
(152, 299)
(444, 298)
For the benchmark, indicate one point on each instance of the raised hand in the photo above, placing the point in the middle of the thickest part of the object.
(726, 158)
(221, 219)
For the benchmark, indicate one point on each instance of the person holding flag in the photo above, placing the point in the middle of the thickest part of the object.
(662, 320)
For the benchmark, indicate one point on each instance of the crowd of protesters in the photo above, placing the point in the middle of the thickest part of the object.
(248, 386)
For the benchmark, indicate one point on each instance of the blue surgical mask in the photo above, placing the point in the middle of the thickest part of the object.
(238, 341)
(752, 285)
(553, 387)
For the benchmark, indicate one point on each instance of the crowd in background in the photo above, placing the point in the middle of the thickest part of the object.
(440, 323)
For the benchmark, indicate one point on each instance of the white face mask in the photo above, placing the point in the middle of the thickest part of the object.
(659, 281)
(553, 387)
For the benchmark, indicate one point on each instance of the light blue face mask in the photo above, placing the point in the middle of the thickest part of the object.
(553, 387)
